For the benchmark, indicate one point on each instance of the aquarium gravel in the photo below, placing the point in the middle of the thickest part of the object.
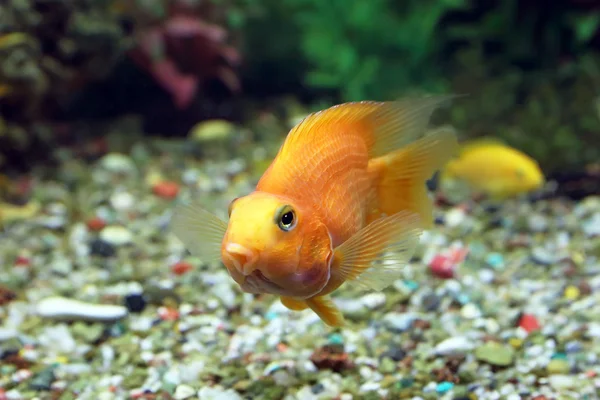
(99, 301)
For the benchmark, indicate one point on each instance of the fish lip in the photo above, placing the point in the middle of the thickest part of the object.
(257, 282)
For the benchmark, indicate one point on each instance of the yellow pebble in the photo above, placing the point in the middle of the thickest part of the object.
(515, 342)
(578, 258)
(472, 396)
(572, 292)
(62, 360)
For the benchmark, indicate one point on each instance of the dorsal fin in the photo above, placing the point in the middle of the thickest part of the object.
(485, 141)
(385, 126)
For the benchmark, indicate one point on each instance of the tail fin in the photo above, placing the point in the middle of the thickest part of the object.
(403, 173)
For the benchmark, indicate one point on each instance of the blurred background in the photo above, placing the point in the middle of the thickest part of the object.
(112, 112)
(69, 70)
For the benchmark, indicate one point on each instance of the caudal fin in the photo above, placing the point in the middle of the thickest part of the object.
(403, 173)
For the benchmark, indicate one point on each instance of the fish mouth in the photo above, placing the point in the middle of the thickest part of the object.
(257, 282)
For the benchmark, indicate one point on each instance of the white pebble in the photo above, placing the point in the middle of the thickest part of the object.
(64, 308)
(454, 345)
(117, 163)
(470, 311)
(183, 392)
(373, 300)
(217, 393)
(116, 235)
(58, 338)
(122, 201)
(455, 217)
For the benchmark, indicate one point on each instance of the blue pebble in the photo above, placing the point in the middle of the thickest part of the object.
(444, 387)
(336, 338)
(463, 298)
(270, 315)
(559, 356)
(412, 285)
(573, 347)
(495, 260)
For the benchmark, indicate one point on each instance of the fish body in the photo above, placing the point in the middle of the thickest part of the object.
(345, 191)
(496, 169)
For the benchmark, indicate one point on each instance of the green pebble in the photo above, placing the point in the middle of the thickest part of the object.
(495, 354)
(387, 366)
(557, 366)
(88, 332)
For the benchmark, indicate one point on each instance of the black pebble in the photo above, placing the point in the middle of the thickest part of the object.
(101, 248)
(318, 388)
(395, 353)
(431, 302)
(135, 302)
(439, 220)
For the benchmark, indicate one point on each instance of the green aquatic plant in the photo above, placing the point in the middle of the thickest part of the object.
(352, 49)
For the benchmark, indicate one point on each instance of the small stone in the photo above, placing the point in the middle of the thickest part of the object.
(135, 302)
(572, 292)
(183, 392)
(64, 308)
(122, 201)
(537, 223)
(116, 235)
(442, 266)
(95, 224)
(444, 387)
(395, 353)
(559, 382)
(558, 366)
(431, 302)
(43, 380)
(373, 300)
(495, 260)
(542, 256)
(213, 130)
(117, 163)
(217, 393)
(102, 248)
(495, 354)
(399, 321)
(455, 217)
(181, 268)
(454, 345)
(166, 189)
(529, 323)
(470, 311)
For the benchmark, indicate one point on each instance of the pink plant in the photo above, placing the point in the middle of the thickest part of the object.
(183, 52)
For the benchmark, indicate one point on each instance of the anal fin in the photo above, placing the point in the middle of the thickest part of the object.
(326, 309)
(293, 304)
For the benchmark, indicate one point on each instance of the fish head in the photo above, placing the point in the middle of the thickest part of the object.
(275, 246)
(527, 176)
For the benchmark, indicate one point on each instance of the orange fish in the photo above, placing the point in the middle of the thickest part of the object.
(344, 200)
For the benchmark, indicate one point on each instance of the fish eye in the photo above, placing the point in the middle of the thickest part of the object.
(286, 218)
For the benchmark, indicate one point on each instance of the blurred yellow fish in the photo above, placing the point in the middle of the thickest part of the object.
(344, 200)
(489, 166)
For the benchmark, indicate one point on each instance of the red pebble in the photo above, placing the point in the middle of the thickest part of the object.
(529, 322)
(590, 374)
(166, 190)
(96, 224)
(3, 395)
(168, 314)
(22, 261)
(442, 267)
(181, 268)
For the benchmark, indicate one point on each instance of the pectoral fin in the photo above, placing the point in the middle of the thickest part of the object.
(389, 241)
